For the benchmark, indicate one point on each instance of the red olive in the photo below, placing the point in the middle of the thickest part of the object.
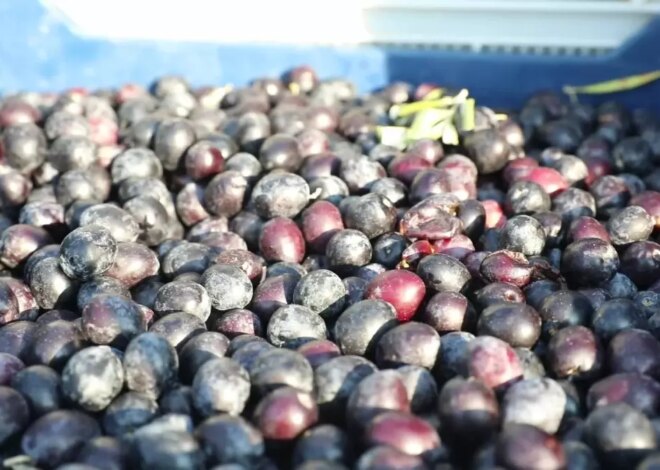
(403, 289)
(282, 240)
(320, 222)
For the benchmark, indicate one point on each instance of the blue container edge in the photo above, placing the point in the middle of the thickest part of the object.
(40, 53)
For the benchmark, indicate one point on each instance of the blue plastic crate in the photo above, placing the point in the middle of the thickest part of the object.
(38, 51)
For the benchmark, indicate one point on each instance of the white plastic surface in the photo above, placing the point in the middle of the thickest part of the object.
(536, 25)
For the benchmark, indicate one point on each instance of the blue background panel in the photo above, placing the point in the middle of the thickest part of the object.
(39, 52)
